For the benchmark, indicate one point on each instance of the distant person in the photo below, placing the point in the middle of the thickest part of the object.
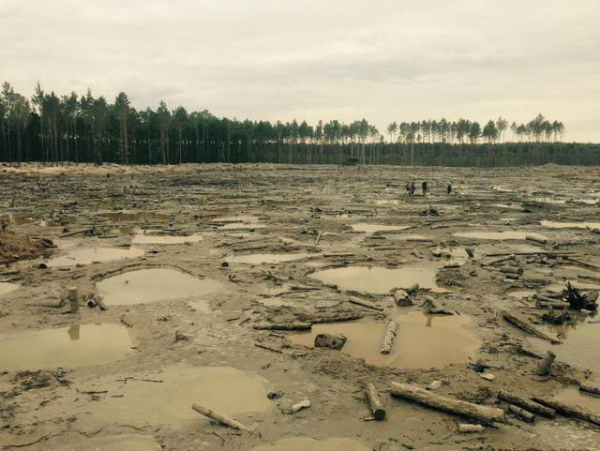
(424, 186)
(412, 188)
(449, 188)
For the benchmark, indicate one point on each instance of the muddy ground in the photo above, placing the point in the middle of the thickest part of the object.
(190, 259)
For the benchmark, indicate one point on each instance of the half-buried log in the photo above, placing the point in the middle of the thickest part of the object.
(526, 404)
(366, 304)
(374, 401)
(293, 325)
(445, 404)
(591, 389)
(521, 413)
(570, 411)
(389, 337)
(525, 326)
(224, 420)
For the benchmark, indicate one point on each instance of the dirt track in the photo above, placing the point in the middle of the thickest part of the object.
(160, 357)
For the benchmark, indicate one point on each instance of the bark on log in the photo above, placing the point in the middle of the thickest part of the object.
(294, 325)
(224, 420)
(521, 413)
(543, 368)
(389, 337)
(366, 304)
(526, 404)
(374, 401)
(525, 326)
(570, 411)
(450, 405)
(470, 428)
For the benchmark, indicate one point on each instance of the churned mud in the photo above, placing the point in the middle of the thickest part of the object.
(209, 285)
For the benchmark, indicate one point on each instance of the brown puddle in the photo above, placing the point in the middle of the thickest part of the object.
(571, 225)
(379, 280)
(311, 444)
(423, 341)
(151, 285)
(74, 346)
(114, 443)
(508, 235)
(372, 228)
(169, 400)
(259, 259)
(94, 254)
(155, 237)
(6, 287)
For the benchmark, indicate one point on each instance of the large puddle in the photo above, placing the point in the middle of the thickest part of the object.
(311, 444)
(114, 443)
(155, 237)
(372, 228)
(422, 341)
(151, 285)
(94, 255)
(379, 280)
(170, 397)
(74, 346)
(259, 259)
(571, 225)
(6, 287)
(508, 235)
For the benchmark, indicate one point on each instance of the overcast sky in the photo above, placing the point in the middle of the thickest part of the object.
(384, 60)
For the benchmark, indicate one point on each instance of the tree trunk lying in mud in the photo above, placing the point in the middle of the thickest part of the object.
(224, 420)
(521, 413)
(332, 317)
(470, 428)
(450, 405)
(293, 325)
(570, 411)
(591, 389)
(374, 401)
(525, 326)
(366, 304)
(526, 404)
(389, 337)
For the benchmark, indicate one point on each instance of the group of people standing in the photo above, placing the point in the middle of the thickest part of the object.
(411, 188)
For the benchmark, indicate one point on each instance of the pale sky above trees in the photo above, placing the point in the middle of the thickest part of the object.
(386, 60)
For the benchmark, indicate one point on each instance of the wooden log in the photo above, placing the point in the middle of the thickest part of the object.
(526, 404)
(525, 326)
(500, 260)
(511, 270)
(470, 428)
(224, 420)
(536, 239)
(544, 366)
(73, 296)
(318, 238)
(445, 404)
(374, 401)
(335, 317)
(389, 337)
(590, 389)
(520, 413)
(100, 302)
(293, 325)
(366, 304)
(330, 341)
(402, 299)
(570, 411)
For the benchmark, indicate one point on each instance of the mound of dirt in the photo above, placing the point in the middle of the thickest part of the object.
(15, 247)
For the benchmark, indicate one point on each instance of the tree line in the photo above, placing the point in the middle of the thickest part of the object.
(74, 128)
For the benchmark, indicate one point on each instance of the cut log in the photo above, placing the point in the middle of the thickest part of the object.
(526, 404)
(389, 337)
(374, 401)
(570, 411)
(525, 326)
(224, 420)
(543, 368)
(536, 239)
(470, 428)
(445, 404)
(330, 341)
(402, 298)
(100, 302)
(334, 317)
(551, 304)
(293, 325)
(366, 304)
(591, 389)
(73, 296)
(521, 413)
(500, 260)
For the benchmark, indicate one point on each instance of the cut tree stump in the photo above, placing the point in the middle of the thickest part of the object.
(389, 337)
(374, 401)
(224, 420)
(525, 326)
(570, 411)
(526, 404)
(449, 405)
(543, 368)
(73, 296)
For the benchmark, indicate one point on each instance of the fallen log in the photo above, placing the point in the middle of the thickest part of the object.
(525, 326)
(544, 366)
(500, 260)
(470, 428)
(570, 411)
(590, 389)
(366, 304)
(334, 317)
(535, 239)
(522, 414)
(374, 401)
(389, 337)
(526, 404)
(294, 325)
(224, 420)
(445, 404)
